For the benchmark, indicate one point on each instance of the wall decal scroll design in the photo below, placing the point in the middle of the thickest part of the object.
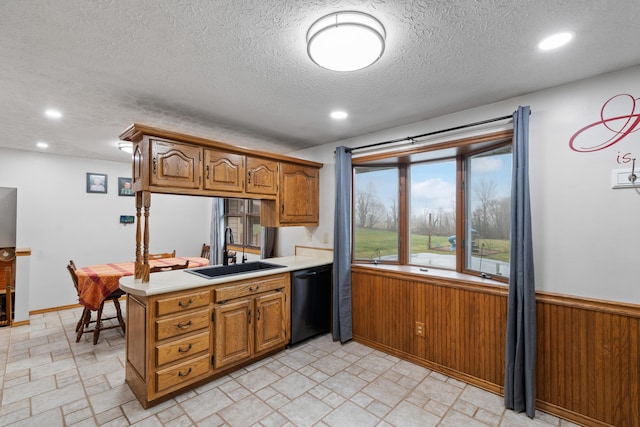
(618, 126)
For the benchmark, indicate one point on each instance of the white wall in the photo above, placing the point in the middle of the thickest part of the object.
(585, 233)
(60, 221)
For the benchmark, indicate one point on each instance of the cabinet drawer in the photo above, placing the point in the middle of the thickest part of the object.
(183, 348)
(178, 304)
(178, 325)
(180, 375)
(249, 288)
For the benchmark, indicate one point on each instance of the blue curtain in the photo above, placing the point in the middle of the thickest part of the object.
(217, 230)
(342, 327)
(520, 369)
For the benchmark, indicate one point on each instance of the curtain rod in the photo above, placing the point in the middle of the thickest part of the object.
(412, 138)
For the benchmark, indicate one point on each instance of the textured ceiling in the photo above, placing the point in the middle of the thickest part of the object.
(237, 70)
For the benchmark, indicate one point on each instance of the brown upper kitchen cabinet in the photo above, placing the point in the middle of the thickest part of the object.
(223, 171)
(237, 173)
(174, 163)
(262, 176)
(298, 198)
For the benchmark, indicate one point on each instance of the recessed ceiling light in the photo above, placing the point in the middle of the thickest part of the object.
(555, 41)
(41, 144)
(339, 115)
(126, 146)
(53, 114)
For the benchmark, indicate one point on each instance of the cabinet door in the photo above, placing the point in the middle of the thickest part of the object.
(223, 171)
(262, 176)
(299, 194)
(270, 321)
(174, 164)
(233, 338)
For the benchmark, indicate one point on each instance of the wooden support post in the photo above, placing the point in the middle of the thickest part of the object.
(138, 265)
(146, 201)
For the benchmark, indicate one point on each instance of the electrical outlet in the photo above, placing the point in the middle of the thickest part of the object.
(420, 329)
(325, 237)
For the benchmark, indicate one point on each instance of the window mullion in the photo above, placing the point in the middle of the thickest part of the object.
(403, 217)
(460, 202)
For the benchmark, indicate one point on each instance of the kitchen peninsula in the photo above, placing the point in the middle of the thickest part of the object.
(184, 330)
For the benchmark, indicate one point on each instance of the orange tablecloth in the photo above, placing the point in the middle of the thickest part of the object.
(96, 282)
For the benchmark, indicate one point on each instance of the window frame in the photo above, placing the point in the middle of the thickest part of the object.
(458, 149)
(245, 219)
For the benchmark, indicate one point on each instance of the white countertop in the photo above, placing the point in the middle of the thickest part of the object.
(178, 280)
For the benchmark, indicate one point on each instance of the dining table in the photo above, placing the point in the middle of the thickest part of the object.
(96, 282)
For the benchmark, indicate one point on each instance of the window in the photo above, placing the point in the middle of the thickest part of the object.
(442, 206)
(488, 211)
(376, 213)
(432, 214)
(241, 215)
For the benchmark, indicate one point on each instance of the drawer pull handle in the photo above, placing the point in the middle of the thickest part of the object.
(251, 289)
(258, 313)
(185, 326)
(185, 304)
(181, 350)
(184, 374)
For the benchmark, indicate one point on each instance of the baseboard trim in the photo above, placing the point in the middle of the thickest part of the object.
(52, 309)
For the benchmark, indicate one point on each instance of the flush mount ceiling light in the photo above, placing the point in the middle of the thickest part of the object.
(346, 41)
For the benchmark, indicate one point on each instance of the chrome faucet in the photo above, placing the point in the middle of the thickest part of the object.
(225, 252)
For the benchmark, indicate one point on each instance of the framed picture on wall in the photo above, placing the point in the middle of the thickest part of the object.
(96, 183)
(125, 187)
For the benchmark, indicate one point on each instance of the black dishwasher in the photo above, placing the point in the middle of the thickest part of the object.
(310, 302)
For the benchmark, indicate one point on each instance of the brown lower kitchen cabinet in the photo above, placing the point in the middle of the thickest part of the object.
(253, 322)
(181, 339)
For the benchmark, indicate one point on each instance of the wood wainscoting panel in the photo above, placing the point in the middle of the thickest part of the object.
(588, 357)
(464, 331)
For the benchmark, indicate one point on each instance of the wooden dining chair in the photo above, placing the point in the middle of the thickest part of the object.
(159, 268)
(206, 249)
(163, 255)
(85, 320)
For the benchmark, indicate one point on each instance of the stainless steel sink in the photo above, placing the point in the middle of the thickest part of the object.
(227, 270)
